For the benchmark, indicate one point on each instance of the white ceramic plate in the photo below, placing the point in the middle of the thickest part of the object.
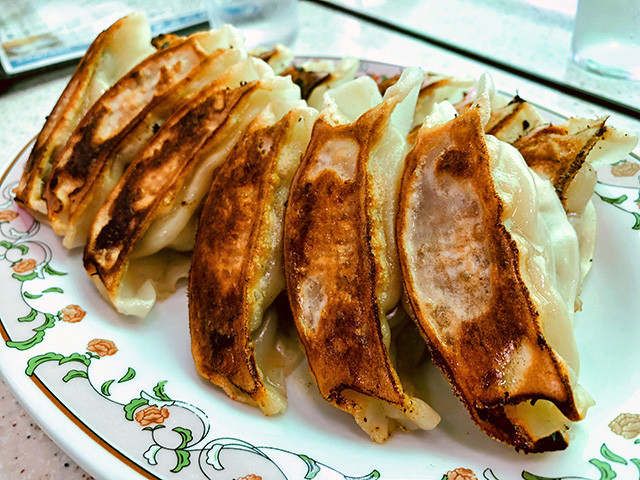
(122, 397)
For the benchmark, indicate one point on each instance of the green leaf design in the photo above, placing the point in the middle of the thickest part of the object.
(37, 338)
(53, 290)
(23, 248)
(614, 201)
(531, 476)
(25, 277)
(636, 215)
(30, 316)
(5, 244)
(636, 462)
(128, 376)
(312, 467)
(374, 475)
(104, 388)
(35, 362)
(186, 435)
(74, 374)
(159, 391)
(131, 407)
(612, 457)
(76, 357)
(183, 460)
(155, 427)
(32, 296)
(606, 472)
(47, 268)
(636, 442)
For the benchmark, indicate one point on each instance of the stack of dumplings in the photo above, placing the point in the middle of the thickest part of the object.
(316, 212)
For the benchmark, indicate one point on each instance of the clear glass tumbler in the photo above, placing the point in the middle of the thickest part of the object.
(262, 22)
(606, 37)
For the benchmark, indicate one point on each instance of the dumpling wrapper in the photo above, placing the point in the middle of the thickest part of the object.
(491, 271)
(141, 240)
(111, 55)
(435, 88)
(125, 118)
(340, 258)
(315, 78)
(568, 156)
(237, 269)
(279, 58)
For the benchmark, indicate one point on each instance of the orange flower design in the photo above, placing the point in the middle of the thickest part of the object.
(25, 266)
(151, 415)
(102, 347)
(72, 314)
(8, 215)
(251, 476)
(625, 169)
(627, 425)
(461, 474)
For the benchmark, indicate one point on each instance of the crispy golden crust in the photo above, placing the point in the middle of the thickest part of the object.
(88, 153)
(225, 267)
(474, 347)
(555, 154)
(153, 180)
(60, 123)
(331, 269)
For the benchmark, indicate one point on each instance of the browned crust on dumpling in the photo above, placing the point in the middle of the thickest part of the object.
(224, 270)
(87, 155)
(512, 121)
(328, 248)
(307, 80)
(473, 351)
(153, 180)
(555, 154)
(60, 123)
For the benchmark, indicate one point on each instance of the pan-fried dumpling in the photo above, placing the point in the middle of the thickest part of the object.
(568, 156)
(340, 257)
(512, 120)
(93, 158)
(491, 272)
(110, 56)
(237, 269)
(315, 78)
(150, 217)
(435, 88)
(279, 57)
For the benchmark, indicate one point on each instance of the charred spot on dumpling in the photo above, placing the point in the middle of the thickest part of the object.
(454, 162)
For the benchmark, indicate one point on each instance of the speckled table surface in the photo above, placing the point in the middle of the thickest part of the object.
(25, 450)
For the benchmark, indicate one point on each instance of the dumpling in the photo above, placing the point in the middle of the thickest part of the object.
(141, 240)
(124, 118)
(110, 56)
(491, 271)
(279, 58)
(512, 120)
(237, 270)
(435, 88)
(315, 78)
(568, 156)
(340, 257)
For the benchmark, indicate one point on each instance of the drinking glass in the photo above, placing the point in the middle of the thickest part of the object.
(262, 22)
(606, 37)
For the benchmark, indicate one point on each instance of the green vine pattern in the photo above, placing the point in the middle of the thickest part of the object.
(152, 409)
(30, 260)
